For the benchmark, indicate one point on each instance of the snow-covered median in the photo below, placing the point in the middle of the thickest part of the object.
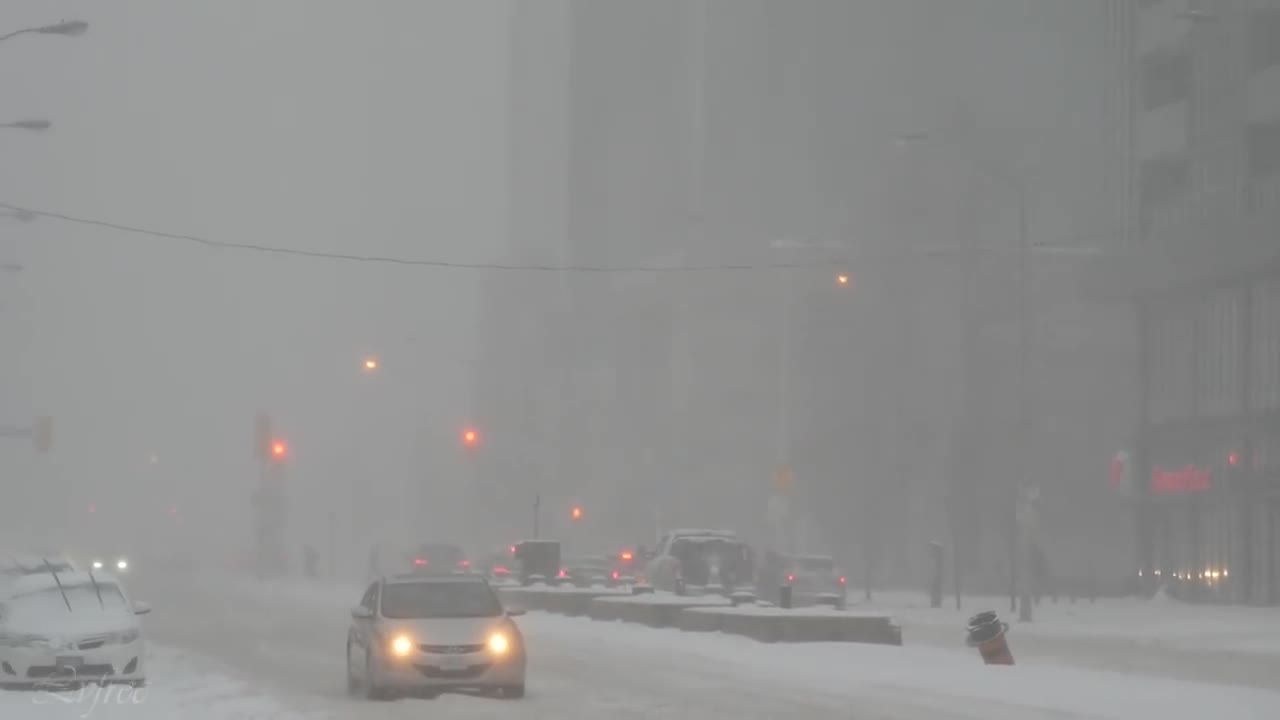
(180, 686)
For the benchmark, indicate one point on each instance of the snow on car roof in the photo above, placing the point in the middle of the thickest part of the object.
(410, 578)
(45, 581)
(26, 561)
(704, 532)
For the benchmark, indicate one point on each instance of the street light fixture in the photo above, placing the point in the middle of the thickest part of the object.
(370, 364)
(66, 28)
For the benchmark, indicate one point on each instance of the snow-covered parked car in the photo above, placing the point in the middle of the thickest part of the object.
(70, 628)
(15, 566)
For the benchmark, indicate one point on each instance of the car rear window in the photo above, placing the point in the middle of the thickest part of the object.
(816, 564)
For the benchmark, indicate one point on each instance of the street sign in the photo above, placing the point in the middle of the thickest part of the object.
(1027, 514)
(1122, 473)
(262, 436)
(783, 479)
(42, 434)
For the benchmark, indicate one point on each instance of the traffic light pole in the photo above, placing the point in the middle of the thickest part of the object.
(1024, 416)
(537, 512)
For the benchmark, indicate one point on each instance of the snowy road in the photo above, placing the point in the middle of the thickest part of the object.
(289, 646)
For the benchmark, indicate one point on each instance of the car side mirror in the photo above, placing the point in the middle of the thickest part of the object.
(361, 612)
(515, 611)
(141, 608)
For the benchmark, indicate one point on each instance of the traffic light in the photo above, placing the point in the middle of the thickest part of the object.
(470, 438)
(279, 450)
(843, 279)
(576, 513)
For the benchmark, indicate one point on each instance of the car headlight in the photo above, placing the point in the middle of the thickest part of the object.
(401, 646)
(97, 564)
(499, 644)
(25, 641)
(123, 638)
(122, 564)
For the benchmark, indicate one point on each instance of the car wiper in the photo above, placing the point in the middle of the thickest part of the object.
(58, 580)
(97, 589)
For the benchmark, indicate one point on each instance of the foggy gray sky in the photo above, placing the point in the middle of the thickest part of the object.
(359, 127)
(378, 128)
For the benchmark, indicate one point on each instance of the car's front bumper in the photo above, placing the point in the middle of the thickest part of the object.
(429, 671)
(117, 663)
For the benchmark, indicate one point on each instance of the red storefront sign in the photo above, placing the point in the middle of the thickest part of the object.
(1189, 479)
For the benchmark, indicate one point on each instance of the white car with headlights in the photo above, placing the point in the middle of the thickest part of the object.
(425, 634)
(70, 628)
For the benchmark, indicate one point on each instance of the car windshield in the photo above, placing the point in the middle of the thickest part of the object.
(409, 601)
(49, 603)
(816, 564)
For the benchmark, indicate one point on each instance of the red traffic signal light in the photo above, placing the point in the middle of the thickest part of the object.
(279, 450)
(1233, 459)
(470, 437)
(576, 512)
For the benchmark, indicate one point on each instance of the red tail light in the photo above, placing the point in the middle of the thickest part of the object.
(464, 563)
(616, 575)
(563, 573)
(627, 556)
(791, 578)
(843, 580)
(499, 570)
(512, 548)
(420, 562)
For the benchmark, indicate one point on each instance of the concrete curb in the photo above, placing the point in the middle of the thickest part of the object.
(769, 625)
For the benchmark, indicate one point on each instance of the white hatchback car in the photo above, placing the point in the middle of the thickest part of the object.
(70, 628)
(426, 634)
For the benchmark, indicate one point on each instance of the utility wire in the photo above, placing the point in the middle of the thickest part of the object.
(392, 260)
(858, 259)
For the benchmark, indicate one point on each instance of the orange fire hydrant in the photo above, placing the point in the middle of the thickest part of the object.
(988, 634)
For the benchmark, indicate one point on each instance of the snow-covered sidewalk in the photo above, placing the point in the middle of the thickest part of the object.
(1160, 620)
(180, 686)
(946, 683)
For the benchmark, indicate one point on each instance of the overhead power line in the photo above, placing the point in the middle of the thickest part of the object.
(849, 257)
(393, 260)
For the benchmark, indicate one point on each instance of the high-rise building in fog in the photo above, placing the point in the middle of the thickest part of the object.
(1203, 129)
(677, 133)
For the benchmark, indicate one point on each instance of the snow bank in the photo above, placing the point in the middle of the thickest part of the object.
(179, 687)
(1157, 621)
(939, 680)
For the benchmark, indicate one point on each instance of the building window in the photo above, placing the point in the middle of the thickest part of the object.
(1264, 381)
(1166, 78)
(1171, 370)
(1164, 180)
(1219, 339)
(1264, 150)
(1264, 39)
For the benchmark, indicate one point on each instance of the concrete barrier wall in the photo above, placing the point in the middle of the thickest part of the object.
(770, 625)
(793, 627)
